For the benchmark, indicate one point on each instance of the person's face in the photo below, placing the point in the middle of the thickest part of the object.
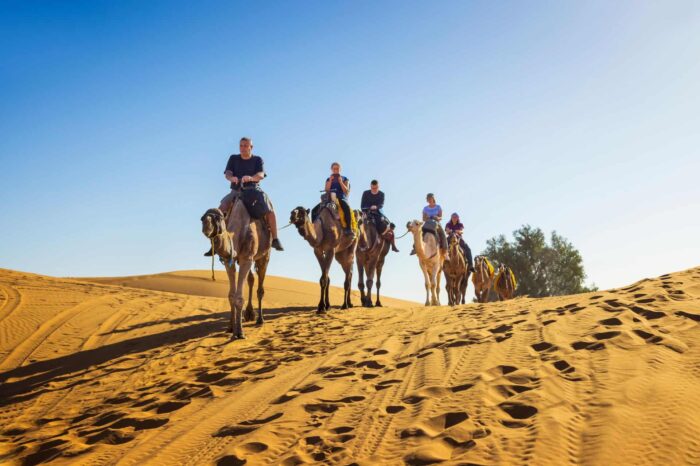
(374, 188)
(431, 200)
(335, 169)
(246, 148)
(455, 219)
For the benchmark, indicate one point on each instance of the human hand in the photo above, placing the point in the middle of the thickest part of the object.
(374, 207)
(233, 179)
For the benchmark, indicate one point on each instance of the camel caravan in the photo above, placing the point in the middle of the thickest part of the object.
(242, 231)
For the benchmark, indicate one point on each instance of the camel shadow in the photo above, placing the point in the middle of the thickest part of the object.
(88, 366)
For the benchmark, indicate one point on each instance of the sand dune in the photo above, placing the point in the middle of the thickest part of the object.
(94, 373)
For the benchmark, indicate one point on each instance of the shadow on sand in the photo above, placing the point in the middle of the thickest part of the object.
(36, 378)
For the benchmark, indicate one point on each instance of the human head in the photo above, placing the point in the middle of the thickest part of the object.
(454, 217)
(335, 168)
(246, 146)
(374, 186)
(430, 197)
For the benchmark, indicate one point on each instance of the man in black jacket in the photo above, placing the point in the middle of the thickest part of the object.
(372, 205)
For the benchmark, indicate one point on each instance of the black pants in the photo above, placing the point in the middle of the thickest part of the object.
(346, 213)
(467, 252)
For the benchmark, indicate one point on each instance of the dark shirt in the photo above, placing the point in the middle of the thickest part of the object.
(336, 188)
(241, 167)
(456, 227)
(369, 199)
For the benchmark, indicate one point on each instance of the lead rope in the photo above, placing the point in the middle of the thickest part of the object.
(407, 232)
(213, 278)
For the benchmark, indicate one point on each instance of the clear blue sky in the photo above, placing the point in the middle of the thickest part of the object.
(117, 118)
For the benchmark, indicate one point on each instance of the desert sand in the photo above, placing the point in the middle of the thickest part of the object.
(139, 370)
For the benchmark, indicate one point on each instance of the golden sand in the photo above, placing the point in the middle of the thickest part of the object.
(139, 370)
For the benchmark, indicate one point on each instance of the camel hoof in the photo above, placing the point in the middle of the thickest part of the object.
(229, 329)
(378, 304)
(259, 322)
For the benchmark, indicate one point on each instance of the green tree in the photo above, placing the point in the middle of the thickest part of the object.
(541, 269)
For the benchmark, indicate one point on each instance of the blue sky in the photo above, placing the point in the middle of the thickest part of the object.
(117, 118)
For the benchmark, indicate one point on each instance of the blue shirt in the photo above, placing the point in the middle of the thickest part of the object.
(336, 188)
(432, 211)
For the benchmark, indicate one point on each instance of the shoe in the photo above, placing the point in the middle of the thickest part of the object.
(394, 248)
(413, 252)
(471, 269)
(209, 253)
(277, 245)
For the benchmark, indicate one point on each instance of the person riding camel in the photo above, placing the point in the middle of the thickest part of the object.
(372, 205)
(340, 185)
(245, 170)
(433, 212)
(455, 227)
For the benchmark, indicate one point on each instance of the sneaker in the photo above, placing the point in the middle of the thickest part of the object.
(209, 253)
(277, 245)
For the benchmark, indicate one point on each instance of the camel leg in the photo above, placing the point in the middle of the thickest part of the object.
(347, 285)
(371, 270)
(249, 315)
(380, 265)
(360, 282)
(426, 277)
(261, 266)
(231, 273)
(325, 258)
(435, 287)
(243, 272)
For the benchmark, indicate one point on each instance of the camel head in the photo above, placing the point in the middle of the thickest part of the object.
(213, 223)
(414, 225)
(298, 218)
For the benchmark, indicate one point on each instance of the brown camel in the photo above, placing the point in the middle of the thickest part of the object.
(482, 278)
(505, 283)
(371, 259)
(245, 241)
(456, 272)
(326, 237)
(430, 259)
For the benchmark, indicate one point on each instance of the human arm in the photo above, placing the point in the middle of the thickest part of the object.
(344, 184)
(254, 179)
(328, 185)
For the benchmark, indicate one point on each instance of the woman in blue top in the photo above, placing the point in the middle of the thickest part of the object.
(433, 211)
(340, 185)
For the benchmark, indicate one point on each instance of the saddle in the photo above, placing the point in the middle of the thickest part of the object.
(254, 202)
(430, 226)
(333, 205)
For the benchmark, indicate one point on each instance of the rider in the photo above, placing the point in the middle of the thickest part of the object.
(433, 211)
(340, 185)
(373, 202)
(455, 227)
(247, 169)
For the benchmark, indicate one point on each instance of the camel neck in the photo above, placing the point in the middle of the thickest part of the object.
(222, 245)
(418, 243)
(310, 233)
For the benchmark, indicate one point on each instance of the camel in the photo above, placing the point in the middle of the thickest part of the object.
(482, 278)
(245, 241)
(505, 283)
(371, 261)
(430, 259)
(456, 272)
(326, 238)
